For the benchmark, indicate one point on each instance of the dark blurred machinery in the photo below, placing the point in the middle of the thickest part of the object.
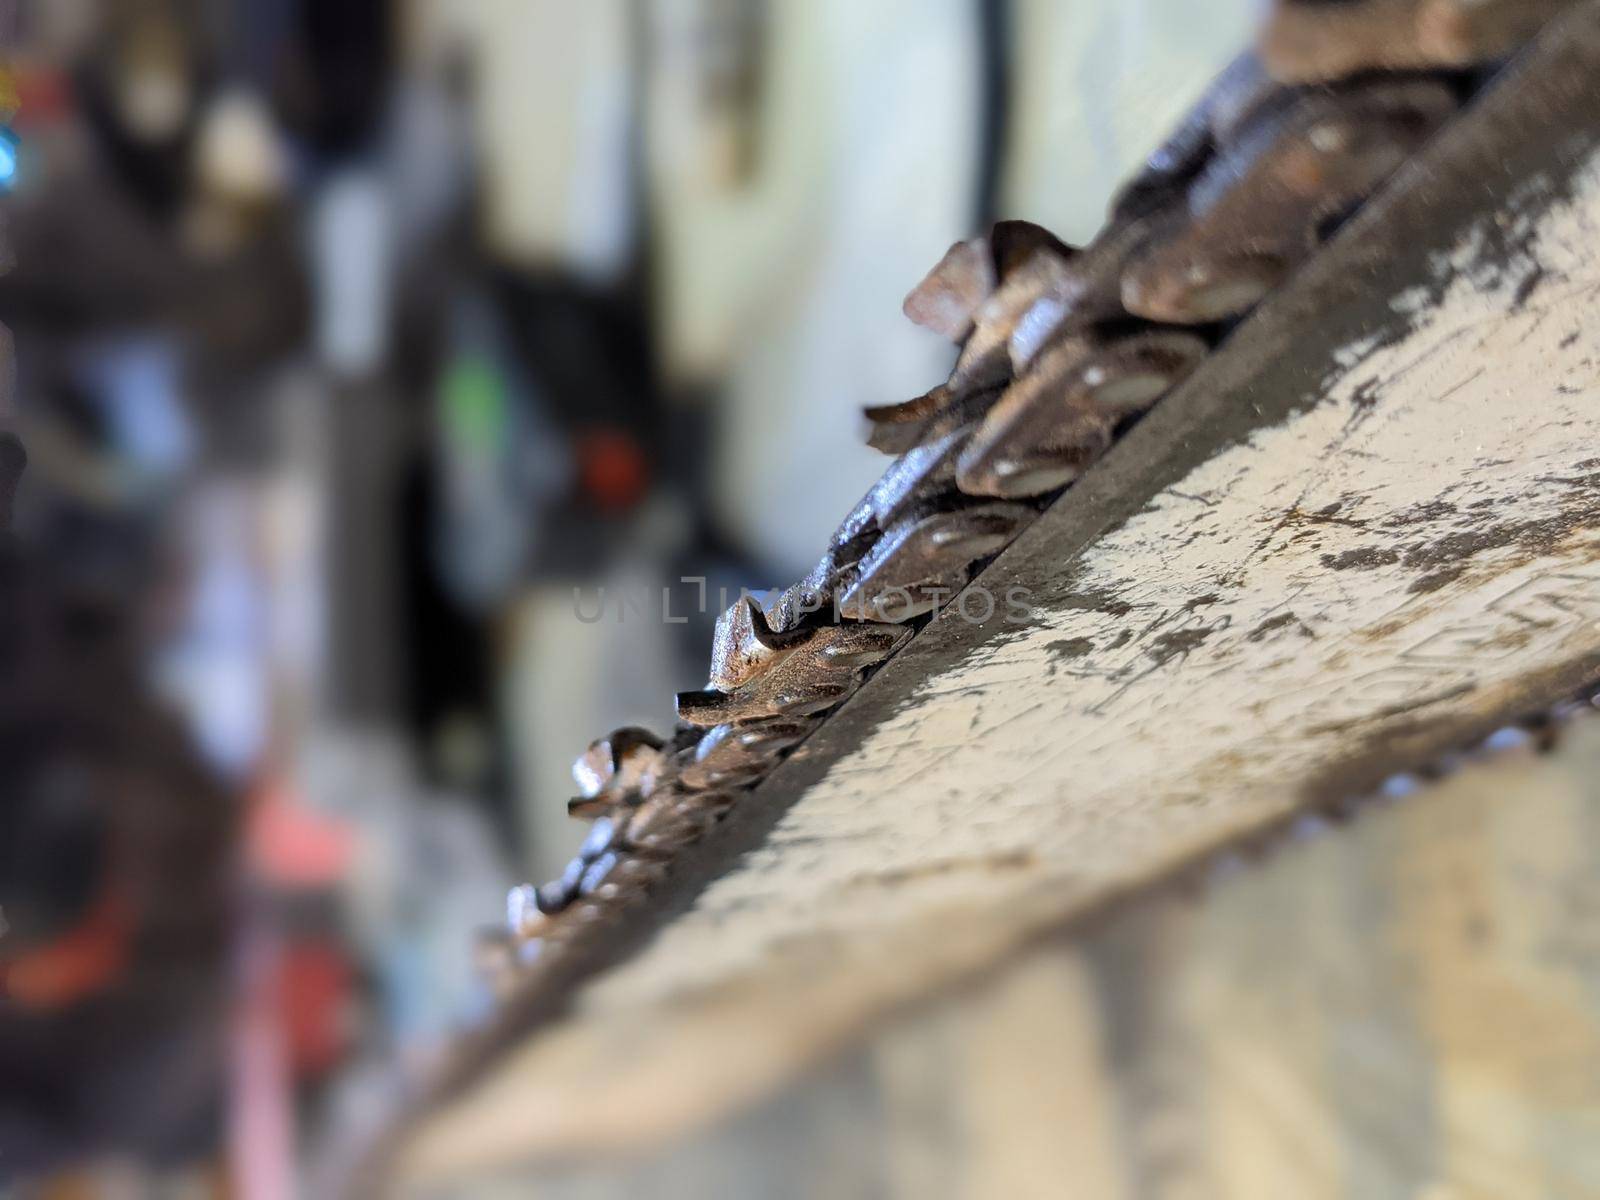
(114, 857)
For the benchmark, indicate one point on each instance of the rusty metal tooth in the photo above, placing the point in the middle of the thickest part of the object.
(1008, 458)
(794, 606)
(618, 877)
(1089, 292)
(587, 808)
(925, 470)
(1241, 91)
(1074, 294)
(557, 895)
(613, 769)
(1014, 242)
(595, 873)
(816, 676)
(1125, 375)
(733, 756)
(876, 545)
(746, 644)
(921, 478)
(747, 647)
(1313, 41)
(797, 605)
(925, 558)
(917, 477)
(849, 541)
(1058, 419)
(666, 822)
(952, 292)
(524, 918)
(572, 875)
(896, 428)
(663, 773)
(1043, 284)
(1256, 212)
(671, 820)
(899, 428)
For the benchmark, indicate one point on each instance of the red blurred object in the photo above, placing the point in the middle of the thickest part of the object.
(314, 984)
(291, 846)
(44, 97)
(85, 960)
(612, 470)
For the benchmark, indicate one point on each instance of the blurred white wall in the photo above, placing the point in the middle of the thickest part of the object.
(554, 82)
(1098, 84)
(788, 284)
(869, 145)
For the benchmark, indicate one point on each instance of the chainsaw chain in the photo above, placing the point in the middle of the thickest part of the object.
(1062, 349)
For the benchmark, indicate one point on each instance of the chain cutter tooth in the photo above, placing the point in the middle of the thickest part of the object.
(1256, 211)
(814, 677)
(899, 428)
(672, 819)
(896, 428)
(745, 644)
(950, 294)
(925, 558)
(1014, 242)
(732, 756)
(985, 361)
(1052, 424)
(614, 770)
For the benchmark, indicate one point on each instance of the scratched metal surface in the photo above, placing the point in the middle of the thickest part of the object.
(1369, 528)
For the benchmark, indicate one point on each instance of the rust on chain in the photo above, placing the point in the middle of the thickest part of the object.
(1061, 348)
(1256, 211)
(673, 818)
(896, 428)
(812, 677)
(923, 559)
(1013, 242)
(919, 476)
(947, 298)
(1055, 421)
(1043, 283)
(901, 428)
(745, 644)
(611, 768)
(738, 755)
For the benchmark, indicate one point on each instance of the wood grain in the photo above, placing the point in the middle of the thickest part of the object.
(1407, 1006)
